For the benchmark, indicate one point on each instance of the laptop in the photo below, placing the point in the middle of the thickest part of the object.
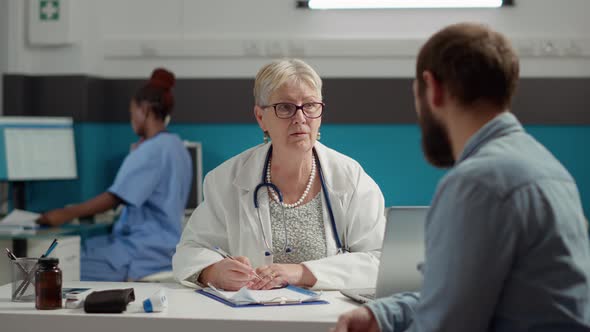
(402, 255)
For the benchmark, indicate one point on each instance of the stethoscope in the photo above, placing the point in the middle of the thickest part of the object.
(264, 184)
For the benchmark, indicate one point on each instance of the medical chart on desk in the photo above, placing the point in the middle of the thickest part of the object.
(286, 295)
(19, 221)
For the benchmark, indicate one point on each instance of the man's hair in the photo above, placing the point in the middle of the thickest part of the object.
(472, 62)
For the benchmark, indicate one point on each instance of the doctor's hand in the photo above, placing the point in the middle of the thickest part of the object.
(361, 319)
(228, 274)
(279, 275)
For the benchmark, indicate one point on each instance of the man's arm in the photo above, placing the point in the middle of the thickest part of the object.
(471, 241)
(395, 313)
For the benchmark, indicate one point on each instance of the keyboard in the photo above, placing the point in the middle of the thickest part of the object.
(370, 296)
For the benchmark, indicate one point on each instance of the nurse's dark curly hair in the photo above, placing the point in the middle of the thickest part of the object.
(158, 93)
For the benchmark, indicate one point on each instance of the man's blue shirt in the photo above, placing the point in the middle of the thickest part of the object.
(506, 243)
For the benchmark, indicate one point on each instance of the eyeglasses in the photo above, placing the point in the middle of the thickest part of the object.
(288, 110)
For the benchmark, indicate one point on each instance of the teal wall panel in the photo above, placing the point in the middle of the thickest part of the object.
(390, 153)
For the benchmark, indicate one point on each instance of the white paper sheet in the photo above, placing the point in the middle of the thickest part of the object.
(245, 295)
(20, 218)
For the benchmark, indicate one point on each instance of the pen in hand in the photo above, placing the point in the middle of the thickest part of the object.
(226, 255)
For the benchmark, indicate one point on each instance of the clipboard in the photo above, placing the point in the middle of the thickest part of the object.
(285, 302)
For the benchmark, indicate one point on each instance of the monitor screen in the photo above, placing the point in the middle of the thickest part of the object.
(196, 193)
(37, 148)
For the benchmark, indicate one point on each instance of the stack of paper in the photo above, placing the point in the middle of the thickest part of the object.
(19, 221)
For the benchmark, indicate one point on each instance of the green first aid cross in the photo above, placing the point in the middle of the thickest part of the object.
(49, 10)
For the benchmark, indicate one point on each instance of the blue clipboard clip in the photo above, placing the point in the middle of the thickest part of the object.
(281, 301)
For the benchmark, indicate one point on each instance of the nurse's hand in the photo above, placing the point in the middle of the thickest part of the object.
(54, 217)
(228, 274)
(279, 275)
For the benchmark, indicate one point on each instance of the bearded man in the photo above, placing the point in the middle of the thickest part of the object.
(506, 238)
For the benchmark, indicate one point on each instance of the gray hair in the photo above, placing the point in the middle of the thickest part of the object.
(273, 75)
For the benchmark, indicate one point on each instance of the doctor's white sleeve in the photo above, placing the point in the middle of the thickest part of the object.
(203, 231)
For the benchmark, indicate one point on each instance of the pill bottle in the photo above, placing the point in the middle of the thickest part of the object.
(48, 280)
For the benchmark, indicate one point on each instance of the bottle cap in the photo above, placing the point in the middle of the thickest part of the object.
(49, 261)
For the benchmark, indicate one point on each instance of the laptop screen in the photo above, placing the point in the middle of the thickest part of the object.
(402, 251)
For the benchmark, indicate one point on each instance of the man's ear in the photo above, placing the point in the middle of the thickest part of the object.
(258, 112)
(434, 91)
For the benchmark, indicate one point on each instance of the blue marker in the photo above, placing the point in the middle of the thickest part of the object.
(50, 249)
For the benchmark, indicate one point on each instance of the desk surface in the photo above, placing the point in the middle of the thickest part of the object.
(187, 311)
(66, 229)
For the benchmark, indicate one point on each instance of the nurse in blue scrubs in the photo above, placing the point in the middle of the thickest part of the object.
(153, 184)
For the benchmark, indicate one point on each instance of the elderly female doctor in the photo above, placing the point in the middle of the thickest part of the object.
(291, 211)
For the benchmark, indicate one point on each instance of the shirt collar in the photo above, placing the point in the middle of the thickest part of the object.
(503, 124)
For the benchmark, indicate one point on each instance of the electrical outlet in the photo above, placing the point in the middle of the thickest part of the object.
(274, 49)
(573, 48)
(549, 48)
(526, 48)
(148, 50)
(252, 48)
(296, 48)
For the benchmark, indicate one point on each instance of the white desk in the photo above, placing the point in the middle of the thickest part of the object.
(36, 243)
(187, 311)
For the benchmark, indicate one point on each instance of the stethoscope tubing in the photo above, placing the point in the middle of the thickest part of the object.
(286, 247)
(265, 184)
(328, 203)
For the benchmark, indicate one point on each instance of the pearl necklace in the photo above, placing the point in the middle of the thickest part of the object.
(305, 192)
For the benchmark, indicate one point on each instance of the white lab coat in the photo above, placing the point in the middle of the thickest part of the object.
(227, 218)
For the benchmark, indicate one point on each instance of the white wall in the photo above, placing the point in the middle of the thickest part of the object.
(233, 38)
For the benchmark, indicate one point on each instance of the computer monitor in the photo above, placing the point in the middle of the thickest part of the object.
(196, 194)
(37, 148)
